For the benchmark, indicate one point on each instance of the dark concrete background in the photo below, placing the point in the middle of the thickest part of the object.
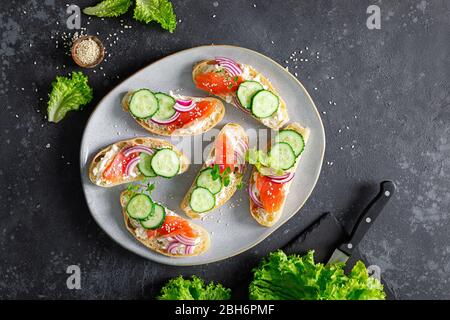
(391, 120)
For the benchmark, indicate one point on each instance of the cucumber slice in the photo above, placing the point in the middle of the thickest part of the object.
(145, 165)
(202, 200)
(206, 181)
(166, 109)
(166, 163)
(264, 104)
(156, 219)
(140, 206)
(246, 91)
(282, 156)
(143, 104)
(293, 138)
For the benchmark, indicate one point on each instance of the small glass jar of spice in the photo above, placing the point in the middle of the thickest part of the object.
(87, 51)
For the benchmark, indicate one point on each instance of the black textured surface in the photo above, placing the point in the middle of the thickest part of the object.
(384, 95)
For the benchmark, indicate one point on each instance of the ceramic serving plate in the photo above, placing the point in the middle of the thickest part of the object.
(232, 229)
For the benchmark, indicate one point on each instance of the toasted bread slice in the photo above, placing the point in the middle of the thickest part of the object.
(263, 217)
(227, 192)
(96, 174)
(196, 127)
(276, 121)
(154, 243)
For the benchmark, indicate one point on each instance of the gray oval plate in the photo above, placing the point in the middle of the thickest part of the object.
(232, 228)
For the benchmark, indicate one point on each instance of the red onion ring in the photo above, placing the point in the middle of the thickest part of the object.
(172, 247)
(184, 102)
(139, 149)
(131, 165)
(253, 196)
(282, 179)
(230, 65)
(189, 249)
(185, 240)
(238, 104)
(170, 120)
(182, 108)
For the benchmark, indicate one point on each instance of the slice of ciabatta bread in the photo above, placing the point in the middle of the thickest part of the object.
(196, 127)
(96, 173)
(154, 243)
(235, 178)
(276, 121)
(263, 217)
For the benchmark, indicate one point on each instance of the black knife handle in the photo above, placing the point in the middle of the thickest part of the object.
(368, 217)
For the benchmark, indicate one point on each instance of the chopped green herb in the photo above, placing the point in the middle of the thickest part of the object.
(240, 186)
(150, 188)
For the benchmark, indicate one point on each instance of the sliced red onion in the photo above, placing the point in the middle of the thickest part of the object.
(239, 157)
(189, 249)
(185, 240)
(172, 247)
(184, 108)
(282, 179)
(253, 196)
(131, 165)
(236, 102)
(138, 149)
(230, 65)
(184, 102)
(170, 120)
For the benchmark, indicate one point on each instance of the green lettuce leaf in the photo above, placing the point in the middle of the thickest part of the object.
(68, 94)
(193, 289)
(160, 11)
(108, 8)
(282, 277)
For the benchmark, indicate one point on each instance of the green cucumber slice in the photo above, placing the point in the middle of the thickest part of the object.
(293, 138)
(282, 156)
(202, 200)
(166, 109)
(264, 104)
(156, 219)
(246, 91)
(166, 163)
(140, 206)
(145, 165)
(143, 104)
(206, 181)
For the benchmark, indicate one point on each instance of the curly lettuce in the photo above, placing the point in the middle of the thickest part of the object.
(282, 277)
(108, 8)
(193, 289)
(160, 11)
(68, 94)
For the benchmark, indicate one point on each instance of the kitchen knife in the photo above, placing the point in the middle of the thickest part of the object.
(365, 221)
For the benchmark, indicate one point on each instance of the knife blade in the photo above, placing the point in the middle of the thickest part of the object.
(364, 222)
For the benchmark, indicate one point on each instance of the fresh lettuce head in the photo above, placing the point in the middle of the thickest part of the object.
(282, 277)
(193, 289)
(108, 8)
(68, 94)
(160, 11)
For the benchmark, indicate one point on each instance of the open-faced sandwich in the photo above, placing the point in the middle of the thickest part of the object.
(244, 87)
(273, 173)
(135, 159)
(171, 114)
(160, 229)
(221, 173)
